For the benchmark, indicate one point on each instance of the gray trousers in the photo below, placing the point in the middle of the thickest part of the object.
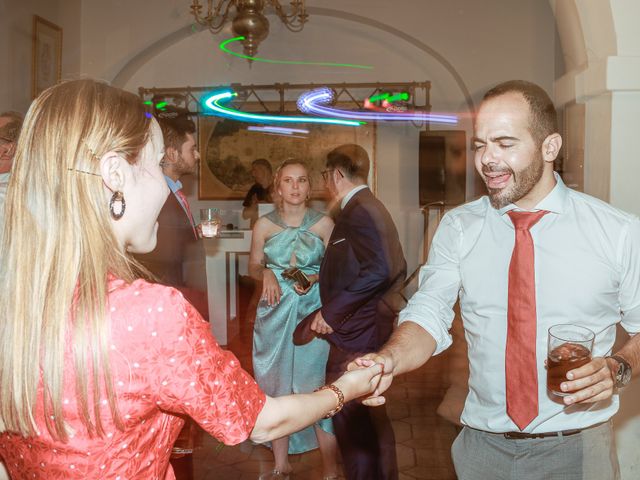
(588, 455)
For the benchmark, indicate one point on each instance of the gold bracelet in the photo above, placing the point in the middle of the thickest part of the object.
(338, 393)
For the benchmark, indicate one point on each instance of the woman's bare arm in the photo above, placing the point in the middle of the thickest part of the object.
(284, 415)
(256, 255)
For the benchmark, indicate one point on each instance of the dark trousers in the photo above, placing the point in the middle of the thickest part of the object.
(183, 467)
(364, 434)
(367, 443)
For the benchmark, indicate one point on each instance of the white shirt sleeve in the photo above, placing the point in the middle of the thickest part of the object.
(431, 306)
(629, 261)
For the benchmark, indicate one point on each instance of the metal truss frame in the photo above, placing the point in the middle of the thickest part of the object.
(281, 97)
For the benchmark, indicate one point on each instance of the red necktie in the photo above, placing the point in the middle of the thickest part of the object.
(521, 368)
(185, 204)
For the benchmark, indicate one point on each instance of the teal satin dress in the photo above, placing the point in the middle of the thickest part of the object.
(280, 367)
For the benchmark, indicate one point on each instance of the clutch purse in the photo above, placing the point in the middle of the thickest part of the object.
(303, 333)
(297, 276)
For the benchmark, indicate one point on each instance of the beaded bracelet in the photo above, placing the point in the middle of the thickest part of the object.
(338, 393)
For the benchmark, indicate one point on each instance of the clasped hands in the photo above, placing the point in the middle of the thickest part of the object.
(590, 383)
(385, 379)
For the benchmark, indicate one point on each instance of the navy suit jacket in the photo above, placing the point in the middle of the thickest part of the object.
(362, 275)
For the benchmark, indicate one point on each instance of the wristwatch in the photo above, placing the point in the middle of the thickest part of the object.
(623, 373)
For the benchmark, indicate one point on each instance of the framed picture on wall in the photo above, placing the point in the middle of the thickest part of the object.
(46, 67)
(228, 147)
(443, 167)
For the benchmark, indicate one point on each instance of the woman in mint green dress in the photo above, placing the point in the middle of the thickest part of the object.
(293, 235)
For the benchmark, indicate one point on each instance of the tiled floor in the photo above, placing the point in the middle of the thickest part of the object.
(423, 439)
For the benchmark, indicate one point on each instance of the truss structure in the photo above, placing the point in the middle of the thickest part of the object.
(281, 97)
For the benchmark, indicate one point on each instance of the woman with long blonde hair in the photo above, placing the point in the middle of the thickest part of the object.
(287, 248)
(95, 362)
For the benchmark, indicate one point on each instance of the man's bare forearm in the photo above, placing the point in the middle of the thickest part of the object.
(409, 347)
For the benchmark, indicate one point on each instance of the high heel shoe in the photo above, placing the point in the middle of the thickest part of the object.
(275, 475)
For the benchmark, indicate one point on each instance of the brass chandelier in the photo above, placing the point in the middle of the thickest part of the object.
(248, 19)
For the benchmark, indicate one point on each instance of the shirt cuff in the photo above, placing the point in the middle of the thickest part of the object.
(434, 328)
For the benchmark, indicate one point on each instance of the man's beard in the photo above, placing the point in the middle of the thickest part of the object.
(183, 168)
(523, 183)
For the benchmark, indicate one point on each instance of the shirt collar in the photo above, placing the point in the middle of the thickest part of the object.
(350, 195)
(555, 201)
(173, 186)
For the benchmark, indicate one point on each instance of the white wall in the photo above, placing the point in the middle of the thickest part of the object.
(16, 30)
(397, 164)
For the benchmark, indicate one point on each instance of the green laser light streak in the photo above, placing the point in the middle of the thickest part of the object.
(223, 47)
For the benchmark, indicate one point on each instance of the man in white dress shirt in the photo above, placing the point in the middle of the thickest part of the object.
(576, 261)
(10, 125)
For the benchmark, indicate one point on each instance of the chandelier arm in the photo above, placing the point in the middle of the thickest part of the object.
(209, 20)
(223, 17)
(294, 27)
(249, 18)
(280, 10)
(296, 19)
(219, 6)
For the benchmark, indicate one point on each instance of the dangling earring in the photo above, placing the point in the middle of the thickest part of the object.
(117, 197)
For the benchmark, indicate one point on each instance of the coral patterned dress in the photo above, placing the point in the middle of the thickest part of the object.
(165, 362)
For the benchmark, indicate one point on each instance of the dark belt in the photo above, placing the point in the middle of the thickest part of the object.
(522, 435)
(564, 433)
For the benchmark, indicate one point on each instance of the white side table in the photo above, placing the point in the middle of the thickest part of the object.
(222, 259)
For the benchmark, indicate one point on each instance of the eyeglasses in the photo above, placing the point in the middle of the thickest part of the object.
(325, 173)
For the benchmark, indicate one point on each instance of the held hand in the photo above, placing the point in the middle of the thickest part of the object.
(319, 326)
(303, 291)
(590, 383)
(376, 398)
(270, 288)
(360, 381)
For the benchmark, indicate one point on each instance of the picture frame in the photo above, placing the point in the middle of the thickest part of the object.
(227, 149)
(46, 67)
(442, 167)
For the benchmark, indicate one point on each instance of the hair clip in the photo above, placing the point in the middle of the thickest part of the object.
(91, 150)
(83, 171)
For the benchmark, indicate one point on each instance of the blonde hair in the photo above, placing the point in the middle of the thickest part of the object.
(58, 252)
(277, 178)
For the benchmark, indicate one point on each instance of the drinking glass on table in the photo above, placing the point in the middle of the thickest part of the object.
(209, 222)
(569, 347)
